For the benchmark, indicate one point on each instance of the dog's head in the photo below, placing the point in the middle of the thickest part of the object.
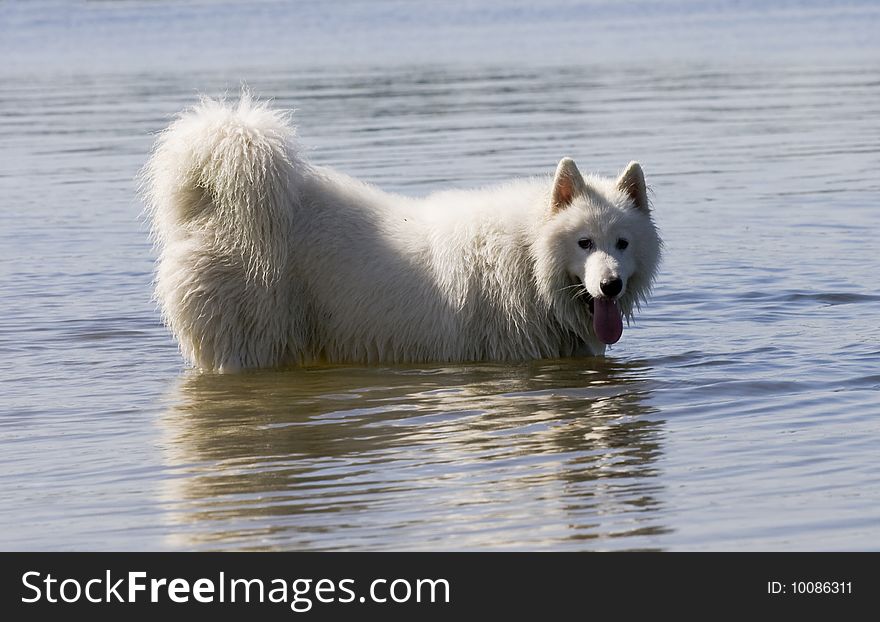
(598, 250)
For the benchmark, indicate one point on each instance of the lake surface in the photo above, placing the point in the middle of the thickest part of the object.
(741, 410)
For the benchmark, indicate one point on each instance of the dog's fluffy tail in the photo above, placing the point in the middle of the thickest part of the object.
(221, 189)
(231, 169)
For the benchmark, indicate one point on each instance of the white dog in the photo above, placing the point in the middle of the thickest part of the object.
(267, 260)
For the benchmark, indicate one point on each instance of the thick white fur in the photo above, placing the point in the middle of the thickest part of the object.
(266, 260)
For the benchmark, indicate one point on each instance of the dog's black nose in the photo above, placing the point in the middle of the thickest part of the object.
(611, 288)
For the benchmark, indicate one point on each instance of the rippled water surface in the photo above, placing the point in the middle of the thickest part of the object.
(740, 411)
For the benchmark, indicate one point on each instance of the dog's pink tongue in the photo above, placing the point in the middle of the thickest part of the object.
(607, 322)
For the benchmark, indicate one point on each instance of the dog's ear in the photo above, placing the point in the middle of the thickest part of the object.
(568, 184)
(632, 182)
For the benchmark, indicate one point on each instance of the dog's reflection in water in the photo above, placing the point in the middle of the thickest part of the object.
(444, 457)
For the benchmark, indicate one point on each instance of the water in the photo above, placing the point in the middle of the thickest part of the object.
(740, 411)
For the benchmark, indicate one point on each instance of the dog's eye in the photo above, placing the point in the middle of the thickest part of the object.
(585, 243)
(622, 244)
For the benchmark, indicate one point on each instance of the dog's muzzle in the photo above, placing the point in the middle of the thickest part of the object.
(607, 318)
